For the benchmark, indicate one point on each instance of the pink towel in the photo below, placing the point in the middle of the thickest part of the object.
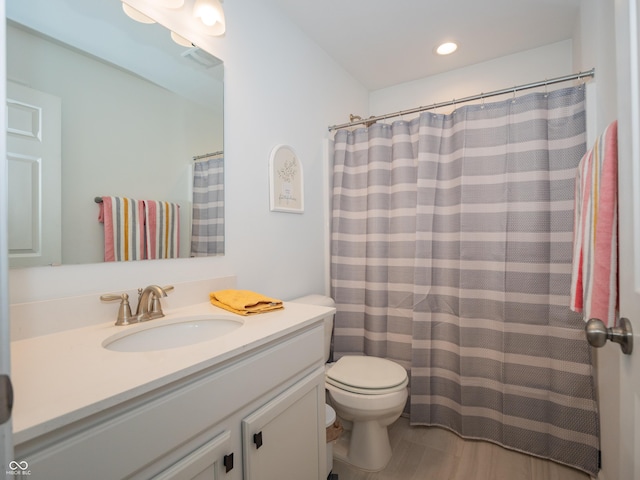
(162, 227)
(594, 276)
(123, 228)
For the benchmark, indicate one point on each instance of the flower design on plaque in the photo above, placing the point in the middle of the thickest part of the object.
(286, 181)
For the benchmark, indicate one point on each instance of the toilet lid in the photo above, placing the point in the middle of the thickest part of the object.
(366, 373)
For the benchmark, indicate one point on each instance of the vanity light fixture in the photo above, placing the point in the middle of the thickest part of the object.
(135, 14)
(211, 14)
(181, 40)
(208, 11)
(142, 18)
(446, 48)
(170, 3)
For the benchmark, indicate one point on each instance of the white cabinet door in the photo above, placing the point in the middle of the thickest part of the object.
(34, 158)
(286, 437)
(212, 461)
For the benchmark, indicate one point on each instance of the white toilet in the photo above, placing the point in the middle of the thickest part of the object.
(368, 394)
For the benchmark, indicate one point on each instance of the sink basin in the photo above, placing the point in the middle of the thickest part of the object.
(163, 334)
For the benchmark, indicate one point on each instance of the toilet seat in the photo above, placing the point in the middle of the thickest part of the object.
(367, 375)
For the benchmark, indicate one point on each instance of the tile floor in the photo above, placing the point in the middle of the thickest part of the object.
(427, 453)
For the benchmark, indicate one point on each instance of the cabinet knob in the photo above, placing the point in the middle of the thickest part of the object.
(257, 439)
(228, 462)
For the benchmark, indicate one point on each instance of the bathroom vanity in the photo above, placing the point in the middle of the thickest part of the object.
(248, 404)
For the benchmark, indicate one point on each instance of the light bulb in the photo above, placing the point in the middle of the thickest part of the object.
(446, 48)
(209, 12)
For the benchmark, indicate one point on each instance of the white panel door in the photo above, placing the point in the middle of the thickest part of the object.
(34, 156)
(6, 444)
(628, 71)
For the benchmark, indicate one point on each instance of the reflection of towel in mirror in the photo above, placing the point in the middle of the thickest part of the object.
(123, 220)
(162, 228)
(244, 302)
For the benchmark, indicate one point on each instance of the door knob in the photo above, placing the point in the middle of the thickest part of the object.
(598, 334)
(6, 398)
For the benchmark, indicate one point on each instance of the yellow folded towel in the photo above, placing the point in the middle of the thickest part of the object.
(244, 302)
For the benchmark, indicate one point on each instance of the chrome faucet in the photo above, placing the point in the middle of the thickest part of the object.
(149, 306)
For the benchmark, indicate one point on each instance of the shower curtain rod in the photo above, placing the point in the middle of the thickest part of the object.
(481, 96)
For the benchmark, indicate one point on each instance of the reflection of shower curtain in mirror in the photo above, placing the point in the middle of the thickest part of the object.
(207, 231)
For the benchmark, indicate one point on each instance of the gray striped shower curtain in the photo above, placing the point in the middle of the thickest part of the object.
(207, 223)
(451, 254)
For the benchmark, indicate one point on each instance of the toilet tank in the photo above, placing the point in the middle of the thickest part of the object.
(322, 301)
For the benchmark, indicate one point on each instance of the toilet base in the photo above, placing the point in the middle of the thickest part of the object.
(366, 447)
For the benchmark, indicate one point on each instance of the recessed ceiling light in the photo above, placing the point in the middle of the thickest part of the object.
(447, 48)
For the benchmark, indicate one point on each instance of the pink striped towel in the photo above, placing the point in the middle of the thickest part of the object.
(162, 227)
(594, 275)
(123, 228)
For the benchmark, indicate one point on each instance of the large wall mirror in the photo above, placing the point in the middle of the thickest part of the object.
(100, 105)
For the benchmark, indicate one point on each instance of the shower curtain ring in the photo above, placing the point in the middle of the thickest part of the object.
(546, 85)
(513, 100)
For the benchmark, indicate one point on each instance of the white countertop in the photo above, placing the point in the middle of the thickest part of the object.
(66, 376)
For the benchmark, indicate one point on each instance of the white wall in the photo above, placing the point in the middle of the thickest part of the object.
(279, 88)
(595, 46)
(550, 61)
